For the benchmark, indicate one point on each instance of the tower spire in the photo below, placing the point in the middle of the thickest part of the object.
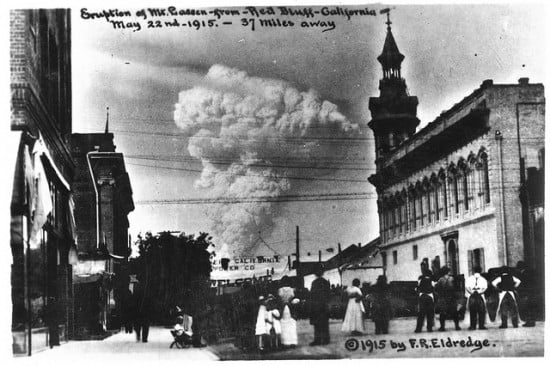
(107, 122)
(394, 111)
(387, 12)
(390, 58)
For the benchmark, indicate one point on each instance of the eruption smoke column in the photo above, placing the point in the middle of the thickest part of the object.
(248, 132)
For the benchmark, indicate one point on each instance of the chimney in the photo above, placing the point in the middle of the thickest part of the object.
(486, 83)
(523, 81)
(339, 248)
(359, 245)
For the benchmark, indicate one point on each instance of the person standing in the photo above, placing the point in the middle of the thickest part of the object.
(261, 324)
(527, 293)
(446, 299)
(507, 284)
(142, 311)
(425, 290)
(289, 332)
(319, 311)
(353, 320)
(380, 305)
(476, 304)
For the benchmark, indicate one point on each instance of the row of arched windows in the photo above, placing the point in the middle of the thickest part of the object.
(460, 188)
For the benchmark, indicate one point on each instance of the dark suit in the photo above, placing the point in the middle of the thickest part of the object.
(319, 311)
(143, 309)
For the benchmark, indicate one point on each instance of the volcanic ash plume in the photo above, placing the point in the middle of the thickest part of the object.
(251, 134)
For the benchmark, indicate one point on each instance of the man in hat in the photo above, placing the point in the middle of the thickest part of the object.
(319, 311)
(446, 299)
(476, 286)
(507, 284)
(425, 290)
(527, 293)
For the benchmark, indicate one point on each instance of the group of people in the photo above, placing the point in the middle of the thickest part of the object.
(441, 296)
(276, 325)
(276, 316)
(276, 319)
(377, 301)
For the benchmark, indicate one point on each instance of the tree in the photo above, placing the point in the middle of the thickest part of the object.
(174, 271)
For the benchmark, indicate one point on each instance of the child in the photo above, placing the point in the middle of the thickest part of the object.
(182, 332)
(178, 328)
(261, 324)
(273, 318)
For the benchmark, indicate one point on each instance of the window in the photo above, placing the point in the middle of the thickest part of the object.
(392, 221)
(437, 199)
(403, 212)
(483, 168)
(384, 259)
(396, 220)
(429, 203)
(471, 182)
(422, 208)
(455, 192)
(465, 190)
(415, 252)
(394, 253)
(418, 208)
(412, 209)
(384, 223)
(444, 199)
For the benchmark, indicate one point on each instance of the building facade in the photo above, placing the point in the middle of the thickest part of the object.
(103, 200)
(466, 189)
(41, 234)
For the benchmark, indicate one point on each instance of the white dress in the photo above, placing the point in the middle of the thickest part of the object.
(353, 321)
(274, 317)
(261, 327)
(289, 332)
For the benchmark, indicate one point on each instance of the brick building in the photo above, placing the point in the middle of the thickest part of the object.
(103, 200)
(465, 190)
(41, 234)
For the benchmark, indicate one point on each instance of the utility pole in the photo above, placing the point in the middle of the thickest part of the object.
(298, 269)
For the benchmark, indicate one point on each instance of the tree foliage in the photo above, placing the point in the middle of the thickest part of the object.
(174, 270)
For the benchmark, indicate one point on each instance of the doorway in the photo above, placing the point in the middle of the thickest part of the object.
(451, 252)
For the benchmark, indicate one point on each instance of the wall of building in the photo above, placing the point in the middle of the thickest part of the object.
(515, 111)
(471, 235)
(40, 81)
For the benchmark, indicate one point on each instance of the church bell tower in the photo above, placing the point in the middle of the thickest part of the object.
(394, 111)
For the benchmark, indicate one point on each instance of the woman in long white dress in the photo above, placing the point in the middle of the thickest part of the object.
(353, 320)
(289, 332)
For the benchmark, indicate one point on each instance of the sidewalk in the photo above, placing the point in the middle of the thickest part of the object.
(493, 342)
(401, 342)
(124, 347)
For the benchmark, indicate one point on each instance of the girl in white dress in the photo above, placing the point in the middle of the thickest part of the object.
(289, 332)
(353, 320)
(261, 326)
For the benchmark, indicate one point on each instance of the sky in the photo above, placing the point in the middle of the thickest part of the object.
(227, 114)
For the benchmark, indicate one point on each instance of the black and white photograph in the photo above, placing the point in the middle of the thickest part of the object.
(233, 181)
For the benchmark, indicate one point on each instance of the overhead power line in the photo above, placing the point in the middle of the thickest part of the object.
(256, 175)
(260, 199)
